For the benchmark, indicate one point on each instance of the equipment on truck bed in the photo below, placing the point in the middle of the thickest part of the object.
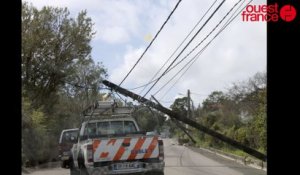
(106, 108)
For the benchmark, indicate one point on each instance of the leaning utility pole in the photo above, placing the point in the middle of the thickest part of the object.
(183, 129)
(186, 120)
(188, 106)
(178, 124)
(189, 103)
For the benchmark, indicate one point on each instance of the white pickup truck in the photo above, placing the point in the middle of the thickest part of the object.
(115, 145)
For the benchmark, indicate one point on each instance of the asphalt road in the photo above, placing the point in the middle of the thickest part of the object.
(182, 160)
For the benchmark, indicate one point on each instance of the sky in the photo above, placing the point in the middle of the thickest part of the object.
(124, 28)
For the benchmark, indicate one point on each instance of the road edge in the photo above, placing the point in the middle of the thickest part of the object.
(29, 170)
(247, 161)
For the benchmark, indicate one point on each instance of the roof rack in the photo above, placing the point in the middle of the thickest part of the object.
(104, 108)
(104, 117)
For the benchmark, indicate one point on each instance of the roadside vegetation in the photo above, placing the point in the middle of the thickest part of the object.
(239, 113)
(59, 77)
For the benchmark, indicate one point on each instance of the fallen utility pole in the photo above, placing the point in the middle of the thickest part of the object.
(178, 124)
(185, 120)
(183, 129)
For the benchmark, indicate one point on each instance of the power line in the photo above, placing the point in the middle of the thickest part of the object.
(191, 62)
(84, 86)
(224, 26)
(198, 54)
(235, 13)
(121, 98)
(177, 48)
(185, 46)
(199, 94)
(204, 38)
(144, 85)
(151, 41)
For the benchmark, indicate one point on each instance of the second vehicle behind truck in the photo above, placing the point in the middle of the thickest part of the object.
(66, 141)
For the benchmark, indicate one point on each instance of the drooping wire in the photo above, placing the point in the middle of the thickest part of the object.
(151, 42)
(152, 79)
(120, 97)
(184, 56)
(194, 59)
(185, 46)
(197, 55)
(233, 16)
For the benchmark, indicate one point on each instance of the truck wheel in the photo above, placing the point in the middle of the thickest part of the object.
(65, 164)
(83, 171)
(156, 173)
(73, 170)
(62, 164)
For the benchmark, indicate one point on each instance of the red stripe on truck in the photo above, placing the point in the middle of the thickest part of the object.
(112, 141)
(121, 149)
(96, 143)
(151, 147)
(137, 146)
(104, 155)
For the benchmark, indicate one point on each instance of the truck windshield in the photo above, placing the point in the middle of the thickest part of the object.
(109, 128)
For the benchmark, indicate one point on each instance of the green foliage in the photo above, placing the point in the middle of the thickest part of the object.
(239, 113)
(59, 77)
(180, 106)
(33, 133)
(214, 101)
(52, 44)
(173, 129)
(149, 120)
(241, 135)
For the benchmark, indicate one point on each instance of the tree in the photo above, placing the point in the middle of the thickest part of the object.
(52, 44)
(246, 94)
(84, 84)
(214, 101)
(148, 119)
(180, 106)
(239, 113)
(59, 77)
(33, 133)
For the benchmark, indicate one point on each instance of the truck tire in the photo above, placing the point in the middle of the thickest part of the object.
(65, 164)
(62, 164)
(155, 173)
(83, 171)
(73, 170)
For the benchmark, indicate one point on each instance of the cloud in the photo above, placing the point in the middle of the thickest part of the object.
(114, 35)
(115, 21)
(235, 55)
